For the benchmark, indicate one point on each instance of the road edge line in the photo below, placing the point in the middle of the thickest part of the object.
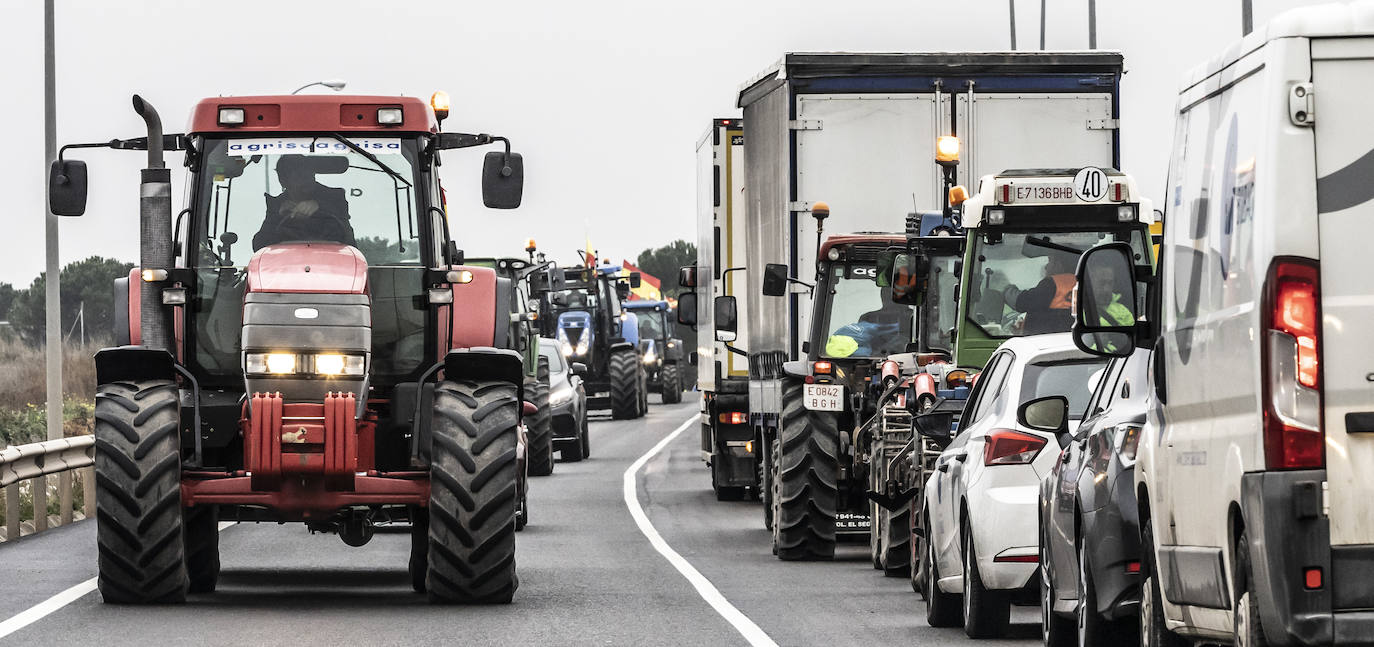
(741, 623)
(49, 606)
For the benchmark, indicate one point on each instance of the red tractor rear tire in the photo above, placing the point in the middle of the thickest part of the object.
(139, 525)
(473, 492)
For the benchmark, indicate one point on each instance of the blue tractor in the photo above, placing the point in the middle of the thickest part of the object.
(662, 353)
(584, 314)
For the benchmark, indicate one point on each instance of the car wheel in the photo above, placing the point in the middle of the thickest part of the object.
(1055, 630)
(1092, 627)
(1245, 621)
(1153, 630)
(986, 613)
(942, 609)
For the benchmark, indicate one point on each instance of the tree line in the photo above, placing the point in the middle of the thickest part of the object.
(87, 291)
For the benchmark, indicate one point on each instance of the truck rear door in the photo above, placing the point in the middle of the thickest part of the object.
(1342, 94)
(1071, 131)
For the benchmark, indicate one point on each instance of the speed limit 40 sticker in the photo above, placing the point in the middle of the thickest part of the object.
(1090, 185)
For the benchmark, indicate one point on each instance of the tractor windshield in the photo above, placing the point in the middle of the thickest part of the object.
(650, 324)
(258, 192)
(1022, 283)
(861, 319)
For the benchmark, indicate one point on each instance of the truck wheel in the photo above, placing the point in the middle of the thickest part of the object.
(807, 473)
(1245, 622)
(139, 525)
(202, 547)
(540, 423)
(942, 609)
(896, 542)
(473, 490)
(672, 383)
(986, 613)
(724, 492)
(626, 384)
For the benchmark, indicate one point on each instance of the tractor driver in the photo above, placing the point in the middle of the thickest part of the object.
(305, 210)
(1047, 305)
(876, 333)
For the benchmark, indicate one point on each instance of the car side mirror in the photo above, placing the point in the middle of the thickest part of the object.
(1048, 414)
(67, 187)
(1105, 301)
(579, 369)
(687, 309)
(774, 280)
(687, 276)
(503, 180)
(635, 279)
(938, 426)
(726, 318)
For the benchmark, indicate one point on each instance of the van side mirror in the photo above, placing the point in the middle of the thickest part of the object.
(503, 180)
(687, 309)
(1049, 414)
(774, 280)
(938, 426)
(687, 276)
(726, 318)
(1105, 301)
(67, 187)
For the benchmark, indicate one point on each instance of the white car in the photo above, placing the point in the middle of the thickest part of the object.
(979, 513)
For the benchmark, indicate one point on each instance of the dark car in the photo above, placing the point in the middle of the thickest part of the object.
(1089, 528)
(568, 402)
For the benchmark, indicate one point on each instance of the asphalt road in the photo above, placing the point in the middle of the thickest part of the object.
(587, 575)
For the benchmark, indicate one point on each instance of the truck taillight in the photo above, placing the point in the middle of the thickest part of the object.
(733, 418)
(1011, 447)
(1293, 437)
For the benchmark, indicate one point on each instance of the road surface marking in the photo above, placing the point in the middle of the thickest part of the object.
(47, 607)
(708, 591)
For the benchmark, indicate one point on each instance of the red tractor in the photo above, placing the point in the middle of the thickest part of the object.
(301, 344)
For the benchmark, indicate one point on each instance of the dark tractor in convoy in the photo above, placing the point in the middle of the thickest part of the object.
(301, 343)
(664, 365)
(586, 317)
(837, 464)
(515, 278)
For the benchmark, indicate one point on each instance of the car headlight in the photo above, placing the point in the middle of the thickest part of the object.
(560, 397)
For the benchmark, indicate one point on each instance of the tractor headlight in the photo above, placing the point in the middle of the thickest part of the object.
(270, 363)
(650, 357)
(334, 364)
(581, 348)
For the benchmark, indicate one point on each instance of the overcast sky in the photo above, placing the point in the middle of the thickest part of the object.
(604, 98)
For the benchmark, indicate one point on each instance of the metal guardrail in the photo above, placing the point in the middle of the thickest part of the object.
(32, 464)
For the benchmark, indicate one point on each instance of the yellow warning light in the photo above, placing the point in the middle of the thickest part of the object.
(820, 210)
(439, 101)
(947, 149)
(957, 195)
(529, 245)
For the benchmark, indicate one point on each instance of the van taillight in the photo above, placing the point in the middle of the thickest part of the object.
(1291, 358)
(1011, 447)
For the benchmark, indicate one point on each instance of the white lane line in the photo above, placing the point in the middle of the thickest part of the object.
(705, 589)
(47, 607)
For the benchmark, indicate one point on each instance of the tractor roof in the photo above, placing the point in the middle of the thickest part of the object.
(866, 239)
(313, 113)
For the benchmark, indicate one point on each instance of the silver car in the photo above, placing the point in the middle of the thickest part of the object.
(568, 400)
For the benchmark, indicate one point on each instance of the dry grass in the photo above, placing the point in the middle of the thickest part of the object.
(23, 392)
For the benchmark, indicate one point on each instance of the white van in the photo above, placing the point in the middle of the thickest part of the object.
(1256, 493)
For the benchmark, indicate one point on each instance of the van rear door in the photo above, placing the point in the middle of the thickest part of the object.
(1342, 96)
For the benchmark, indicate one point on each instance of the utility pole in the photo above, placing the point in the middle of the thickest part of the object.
(1042, 25)
(1092, 24)
(54, 278)
(1011, 11)
(1247, 17)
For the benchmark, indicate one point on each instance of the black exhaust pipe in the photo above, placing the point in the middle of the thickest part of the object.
(155, 233)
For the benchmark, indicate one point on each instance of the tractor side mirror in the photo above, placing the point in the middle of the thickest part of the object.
(452, 255)
(622, 290)
(503, 180)
(774, 280)
(635, 279)
(726, 318)
(67, 187)
(687, 276)
(687, 309)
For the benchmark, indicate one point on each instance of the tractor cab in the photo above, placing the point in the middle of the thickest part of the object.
(1025, 230)
(585, 315)
(662, 352)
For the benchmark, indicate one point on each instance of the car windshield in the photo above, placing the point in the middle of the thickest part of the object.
(1074, 380)
(650, 324)
(861, 320)
(1021, 283)
(258, 192)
